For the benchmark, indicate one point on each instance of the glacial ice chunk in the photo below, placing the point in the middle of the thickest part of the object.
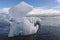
(20, 23)
(20, 10)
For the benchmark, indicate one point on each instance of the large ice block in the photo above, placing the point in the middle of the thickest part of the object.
(20, 10)
(20, 24)
(25, 27)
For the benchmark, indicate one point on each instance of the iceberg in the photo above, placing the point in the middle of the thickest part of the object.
(20, 10)
(20, 24)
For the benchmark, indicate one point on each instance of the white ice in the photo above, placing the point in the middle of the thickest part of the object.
(20, 24)
(20, 10)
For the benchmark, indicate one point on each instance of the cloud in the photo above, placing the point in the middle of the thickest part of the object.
(4, 10)
(56, 7)
(37, 11)
(57, 0)
(0, 10)
(40, 11)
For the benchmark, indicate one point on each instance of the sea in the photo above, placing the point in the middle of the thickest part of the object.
(50, 29)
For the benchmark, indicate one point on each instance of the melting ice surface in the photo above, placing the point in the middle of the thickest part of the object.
(21, 24)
